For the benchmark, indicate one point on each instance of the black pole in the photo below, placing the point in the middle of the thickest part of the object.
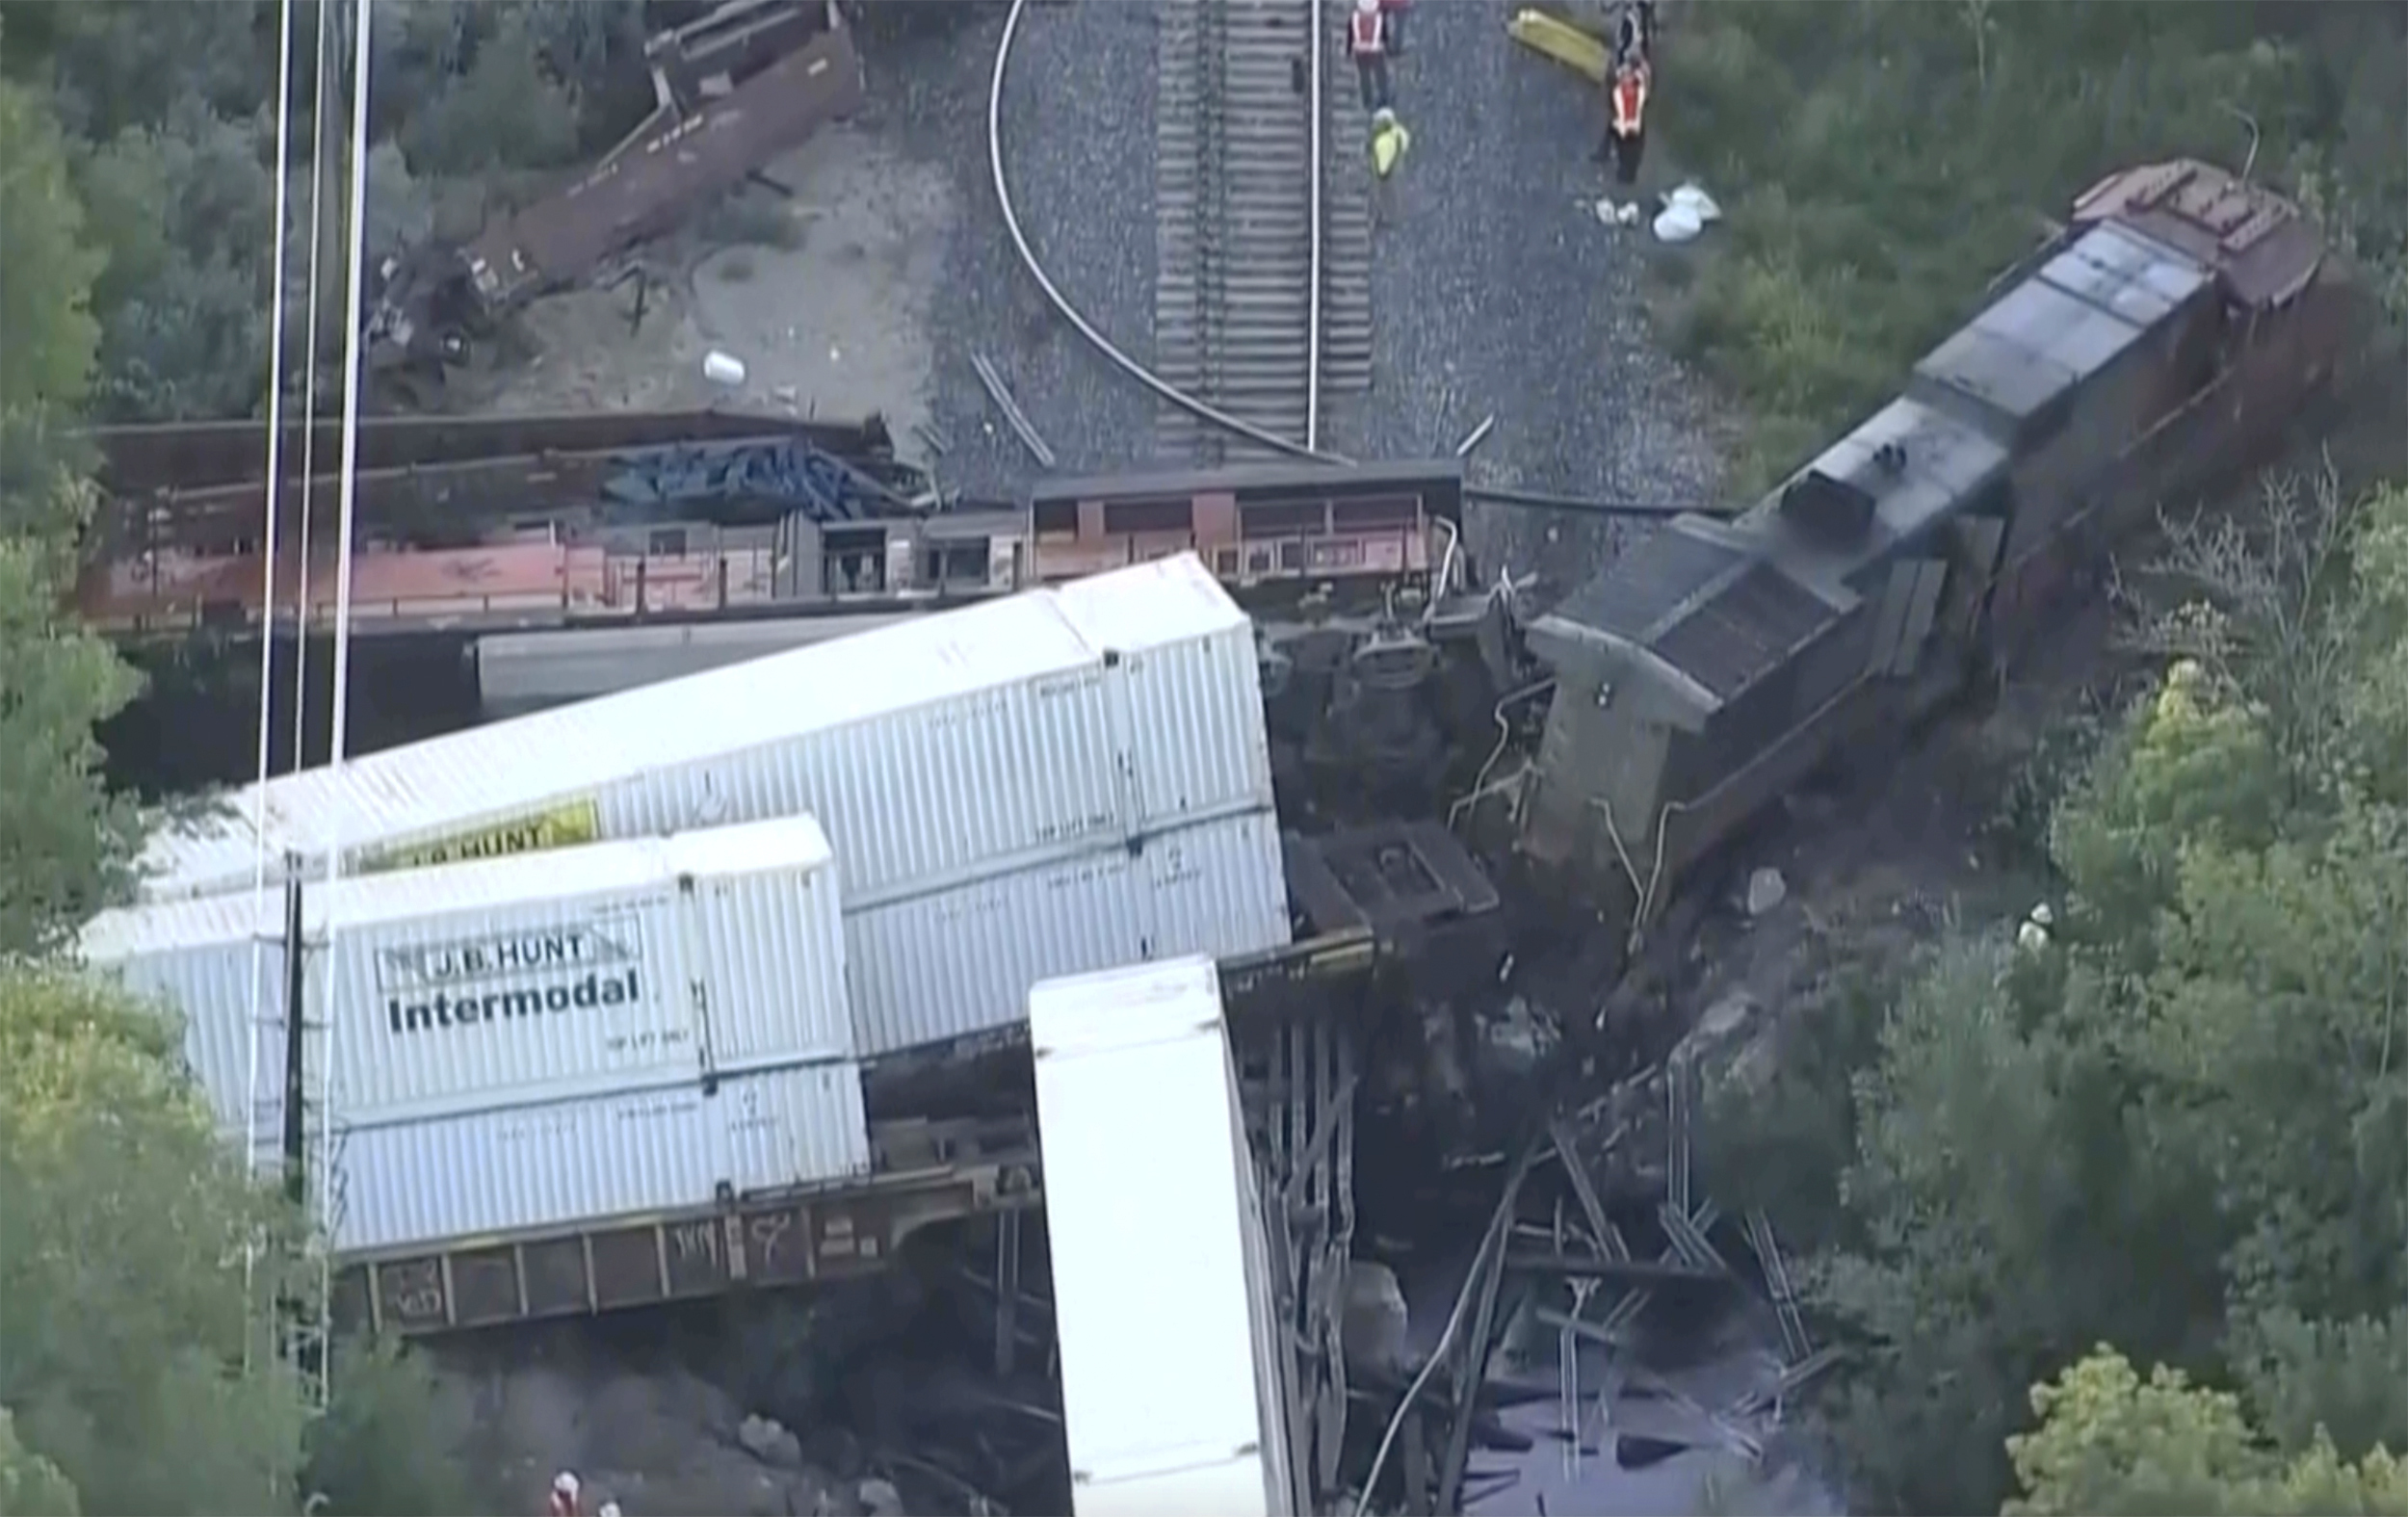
(296, 1016)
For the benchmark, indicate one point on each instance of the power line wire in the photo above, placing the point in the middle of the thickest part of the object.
(323, 1170)
(273, 484)
(309, 385)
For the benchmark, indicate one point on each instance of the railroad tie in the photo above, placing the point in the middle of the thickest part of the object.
(1235, 299)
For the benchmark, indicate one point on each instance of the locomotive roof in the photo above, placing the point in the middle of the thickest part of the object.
(2260, 249)
(1710, 606)
(2053, 331)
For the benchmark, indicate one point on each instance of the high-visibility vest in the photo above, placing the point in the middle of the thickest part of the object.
(1388, 146)
(1363, 34)
(1630, 104)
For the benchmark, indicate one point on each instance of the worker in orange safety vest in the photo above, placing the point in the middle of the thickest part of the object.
(1626, 121)
(1366, 44)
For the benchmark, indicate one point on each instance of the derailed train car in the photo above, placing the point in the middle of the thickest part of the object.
(2166, 336)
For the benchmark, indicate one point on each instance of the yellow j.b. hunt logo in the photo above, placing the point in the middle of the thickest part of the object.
(559, 826)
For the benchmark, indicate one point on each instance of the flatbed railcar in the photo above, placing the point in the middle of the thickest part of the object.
(2166, 337)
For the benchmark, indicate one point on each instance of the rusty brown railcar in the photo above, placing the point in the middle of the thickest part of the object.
(655, 180)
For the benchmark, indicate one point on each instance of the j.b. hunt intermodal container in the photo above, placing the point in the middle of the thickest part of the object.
(539, 978)
(940, 750)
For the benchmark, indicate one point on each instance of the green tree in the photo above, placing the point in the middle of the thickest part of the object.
(31, 1485)
(2349, 1379)
(116, 63)
(382, 1449)
(2004, 1215)
(133, 1377)
(2112, 1445)
(124, 1320)
(2182, 1128)
(185, 209)
(61, 837)
(45, 299)
(63, 840)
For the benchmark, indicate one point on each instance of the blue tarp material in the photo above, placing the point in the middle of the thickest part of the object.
(786, 470)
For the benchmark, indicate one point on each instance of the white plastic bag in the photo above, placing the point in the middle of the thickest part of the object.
(1678, 224)
(1699, 202)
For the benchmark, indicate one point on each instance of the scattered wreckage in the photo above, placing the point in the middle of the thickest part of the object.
(733, 90)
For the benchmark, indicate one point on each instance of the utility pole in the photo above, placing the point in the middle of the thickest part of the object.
(296, 1108)
(297, 1317)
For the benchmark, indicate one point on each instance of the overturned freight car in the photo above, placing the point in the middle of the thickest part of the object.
(735, 88)
(936, 751)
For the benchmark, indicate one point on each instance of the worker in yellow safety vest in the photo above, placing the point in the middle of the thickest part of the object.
(1389, 141)
(1626, 121)
(1366, 44)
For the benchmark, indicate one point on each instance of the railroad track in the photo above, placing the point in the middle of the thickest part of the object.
(1262, 300)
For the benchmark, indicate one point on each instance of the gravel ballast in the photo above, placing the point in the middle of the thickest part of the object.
(1495, 289)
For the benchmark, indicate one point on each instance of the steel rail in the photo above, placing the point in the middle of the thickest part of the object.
(1194, 405)
(1313, 302)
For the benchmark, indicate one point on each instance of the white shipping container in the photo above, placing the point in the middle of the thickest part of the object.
(945, 966)
(1195, 702)
(934, 751)
(604, 1158)
(540, 977)
(1145, 1160)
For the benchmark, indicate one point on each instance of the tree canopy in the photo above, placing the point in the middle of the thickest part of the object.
(136, 1370)
(2181, 1128)
(164, 119)
(2110, 1444)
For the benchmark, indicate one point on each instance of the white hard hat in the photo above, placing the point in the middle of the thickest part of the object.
(608, 1509)
(1367, 6)
(565, 1483)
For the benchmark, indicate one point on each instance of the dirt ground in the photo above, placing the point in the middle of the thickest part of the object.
(822, 298)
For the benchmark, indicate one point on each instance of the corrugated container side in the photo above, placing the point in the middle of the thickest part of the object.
(424, 1030)
(945, 966)
(617, 1156)
(1183, 675)
(772, 951)
(919, 800)
(501, 1001)
(1194, 714)
(208, 994)
(528, 768)
(932, 751)
(1219, 888)
(1142, 1208)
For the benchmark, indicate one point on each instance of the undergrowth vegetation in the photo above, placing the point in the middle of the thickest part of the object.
(1881, 164)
